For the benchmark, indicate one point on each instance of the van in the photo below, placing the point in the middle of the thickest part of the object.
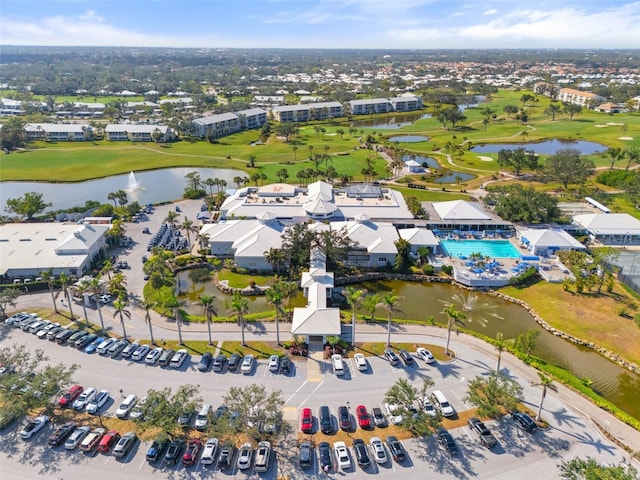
(443, 404)
(166, 357)
(338, 365)
(262, 457)
(202, 420)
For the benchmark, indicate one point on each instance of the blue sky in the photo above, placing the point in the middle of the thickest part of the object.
(383, 24)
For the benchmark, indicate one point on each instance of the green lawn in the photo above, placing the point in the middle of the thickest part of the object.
(238, 280)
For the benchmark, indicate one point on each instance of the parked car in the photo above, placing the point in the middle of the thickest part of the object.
(447, 441)
(438, 398)
(117, 348)
(209, 451)
(425, 355)
(156, 450)
(67, 399)
(326, 424)
(93, 346)
(344, 418)
(61, 434)
(379, 452)
(524, 421)
(247, 364)
(305, 455)
(153, 356)
(174, 452)
(76, 437)
(342, 455)
(285, 364)
(108, 440)
(126, 406)
(140, 353)
(33, 426)
(97, 402)
(396, 448)
(226, 456)
(165, 358)
(83, 400)
(202, 420)
(245, 455)
(137, 412)
(274, 363)
(179, 358)
(263, 455)
(234, 362)
(361, 361)
(364, 421)
(129, 349)
(219, 363)
(362, 453)
(306, 421)
(205, 361)
(191, 452)
(484, 434)
(429, 408)
(184, 420)
(406, 357)
(391, 357)
(393, 413)
(103, 348)
(324, 452)
(378, 417)
(92, 439)
(125, 444)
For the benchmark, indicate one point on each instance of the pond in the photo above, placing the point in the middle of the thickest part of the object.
(154, 186)
(409, 139)
(548, 147)
(394, 121)
(432, 163)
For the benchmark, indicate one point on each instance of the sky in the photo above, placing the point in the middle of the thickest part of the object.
(376, 24)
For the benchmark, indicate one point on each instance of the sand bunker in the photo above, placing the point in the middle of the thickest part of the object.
(625, 138)
(614, 123)
(601, 126)
(485, 159)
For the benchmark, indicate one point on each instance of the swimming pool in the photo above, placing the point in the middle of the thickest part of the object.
(490, 248)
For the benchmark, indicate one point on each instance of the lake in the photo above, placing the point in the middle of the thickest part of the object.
(548, 147)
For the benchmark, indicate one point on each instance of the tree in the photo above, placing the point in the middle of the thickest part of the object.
(275, 296)
(95, 287)
(81, 288)
(174, 304)
(523, 204)
(545, 382)
(209, 308)
(615, 154)
(255, 409)
(120, 311)
(277, 258)
(454, 317)
(526, 98)
(118, 285)
(633, 155)
(552, 110)
(172, 219)
(282, 175)
(571, 110)
(526, 342)
(500, 345)
(602, 258)
(29, 205)
(65, 289)
(371, 303)
(251, 161)
(517, 159)
(494, 394)
(148, 305)
(390, 304)
(188, 228)
(8, 297)
(405, 397)
(48, 277)
(567, 166)
(354, 297)
(240, 306)
(589, 469)
(163, 407)
(403, 259)
(12, 134)
(510, 110)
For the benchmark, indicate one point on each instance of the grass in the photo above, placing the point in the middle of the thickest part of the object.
(259, 349)
(240, 280)
(377, 349)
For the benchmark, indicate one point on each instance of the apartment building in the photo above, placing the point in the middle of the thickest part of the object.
(138, 133)
(58, 132)
(578, 97)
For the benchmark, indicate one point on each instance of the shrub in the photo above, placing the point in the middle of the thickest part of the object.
(448, 269)
(429, 269)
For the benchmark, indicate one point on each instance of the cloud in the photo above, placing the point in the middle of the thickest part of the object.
(491, 11)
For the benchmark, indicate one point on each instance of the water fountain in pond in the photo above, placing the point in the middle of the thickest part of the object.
(133, 185)
(473, 309)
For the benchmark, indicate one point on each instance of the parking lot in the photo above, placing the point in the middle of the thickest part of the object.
(517, 453)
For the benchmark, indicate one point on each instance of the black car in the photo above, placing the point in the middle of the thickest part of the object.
(219, 363)
(524, 420)
(234, 362)
(285, 364)
(396, 448)
(406, 357)
(61, 433)
(174, 452)
(306, 454)
(205, 361)
(156, 450)
(325, 456)
(362, 453)
(447, 441)
(326, 425)
(344, 418)
(225, 459)
(484, 434)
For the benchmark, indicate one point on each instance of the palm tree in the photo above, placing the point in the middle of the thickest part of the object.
(208, 305)
(371, 303)
(96, 289)
(354, 297)
(147, 305)
(84, 287)
(65, 286)
(51, 282)
(275, 296)
(290, 290)
(390, 303)
(119, 305)
(171, 218)
(546, 383)
(239, 305)
(500, 345)
(295, 149)
(174, 303)
(118, 284)
(454, 317)
(276, 258)
(107, 268)
(188, 227)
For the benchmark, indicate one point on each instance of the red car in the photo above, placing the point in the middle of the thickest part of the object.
(191, 453)
(306, 422)
(364, 421)
(108, 440)
(70, 396)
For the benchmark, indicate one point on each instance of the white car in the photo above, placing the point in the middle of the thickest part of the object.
(98, 402)
(394, 417)
(104, 299)
(379, 452)
(425, 355)
(274, 363)
(209, 451)
(103, 348)
(33, 426)
(361, 362)
(429, 408)
(76, 437)
(83, 400)
(342, 454)
(140, 353)
(125, 407)
(153, 356)
(137, 411)
(43, 333)
(247, 364)
(179, 358)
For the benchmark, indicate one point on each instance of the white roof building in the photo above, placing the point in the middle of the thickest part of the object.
(546, 241)
(419, 237)
(610, 228)
(460, 210)
(376, 241)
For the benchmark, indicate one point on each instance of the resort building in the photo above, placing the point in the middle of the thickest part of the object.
(463, 217)
(406, 103)
(224, 124)
(138, 133)
(58, 132)
(610, 228)
(375, 242)
(27, 249)
(578, 97)
(369, 106)
(546, 242)
(307, 112)
(419, 238)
